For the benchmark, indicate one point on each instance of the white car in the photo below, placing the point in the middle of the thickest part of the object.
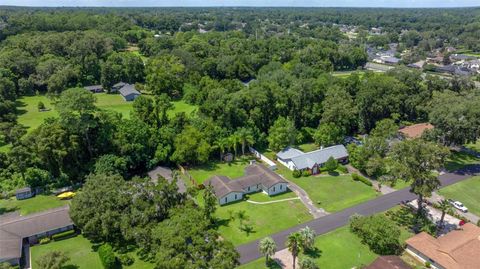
(458, 205)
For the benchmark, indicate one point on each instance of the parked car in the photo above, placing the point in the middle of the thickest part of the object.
(458, 205)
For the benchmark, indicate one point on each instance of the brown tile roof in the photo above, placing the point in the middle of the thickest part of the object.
(416, 130)
(388, 262)
(14, 229)
(459, 249)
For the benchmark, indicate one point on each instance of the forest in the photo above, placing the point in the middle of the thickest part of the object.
(260, 77)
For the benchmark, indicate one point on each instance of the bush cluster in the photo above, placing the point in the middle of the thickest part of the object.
(44, 241)
(107, 256)
(296, 173)
(125, 259)
(342, 169)
(364, 180)
(306, 173)
(64, 235)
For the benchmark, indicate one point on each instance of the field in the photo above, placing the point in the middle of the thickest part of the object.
(32, 118)
(81, 252)
(466, 192)
(32, 205)
(458, 160)
(264, 218)
(339, 249)
(333, 193)
(232, 170)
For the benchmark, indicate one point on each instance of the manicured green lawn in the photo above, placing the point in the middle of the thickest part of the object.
(32, 205)
(333, 193)
(467, 192)
(339, 249)
(81, 253)
(307, 147)
(457, 160)
(232, 170)
(264, 218)
(32, 118)
(261, 197)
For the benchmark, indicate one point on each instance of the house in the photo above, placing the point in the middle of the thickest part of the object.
(129, 93)
(458, 249)
(417, 65)
(386, 59)
(257, 178)
(388, 262)
(24, 193)
(415, 131)
(117, 87)
(94, 88)
(19, 230)
(295, 159)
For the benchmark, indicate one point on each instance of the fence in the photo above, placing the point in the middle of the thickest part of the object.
(185, 173)
(264, 158)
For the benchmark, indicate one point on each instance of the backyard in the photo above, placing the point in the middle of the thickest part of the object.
(31, 205)
(458, 160)
(232, 170)
(82, 254)
(467, 192)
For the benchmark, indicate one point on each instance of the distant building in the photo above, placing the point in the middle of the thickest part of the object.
(388, 262)
(416, 130)
(257, 178)
(94, 88)
(128, 92)
(24, 193)
(458, 249)
(16, 231)
(390, 60)
(295, 159)
(117, 86)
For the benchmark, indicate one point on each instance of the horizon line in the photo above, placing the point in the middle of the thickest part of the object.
(244, 6)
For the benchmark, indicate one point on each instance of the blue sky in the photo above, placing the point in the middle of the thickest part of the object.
(319, 3)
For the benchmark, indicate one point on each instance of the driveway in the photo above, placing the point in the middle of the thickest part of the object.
(249, 252)
(166, 173)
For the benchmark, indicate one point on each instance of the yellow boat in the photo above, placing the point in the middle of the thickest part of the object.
(66, 195)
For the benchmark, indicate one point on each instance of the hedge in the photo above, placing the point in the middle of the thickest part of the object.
(296, 173)
(364, 180)
(107, 256)
(64, 235)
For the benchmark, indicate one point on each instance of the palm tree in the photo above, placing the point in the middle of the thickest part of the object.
(308, 238)
(444, 206)
(222, 144)
(267, 248)
(294, 243)
(246, 138)
(234, 140)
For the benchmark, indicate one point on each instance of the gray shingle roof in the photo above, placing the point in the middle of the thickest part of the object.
(94, 87)
(13, 230)
(222, 185)
(128, 89)
(22, 190)
(289, 153)
(309, 159)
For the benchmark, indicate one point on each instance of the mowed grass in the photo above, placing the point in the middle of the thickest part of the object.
(32, 118)
(78, 249)
(31, 205)
(458, 160)
(339, 249)
(332, 193)
(467, 192)
(233, 170)
(265, 219)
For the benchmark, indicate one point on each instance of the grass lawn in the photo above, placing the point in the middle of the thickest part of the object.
(467, 192)
(339, 249)
(32, 118)
(81, 253)
(458, 160)
(474, 146)
(261, 197)
(265, 219)
(232, 170)
(333, 192)
(32, 205)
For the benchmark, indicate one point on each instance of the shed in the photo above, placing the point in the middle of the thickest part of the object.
(94, 88)
(24, 193)
(129, 93)
(117, 86)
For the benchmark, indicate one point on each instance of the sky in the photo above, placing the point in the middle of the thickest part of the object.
(190, 3)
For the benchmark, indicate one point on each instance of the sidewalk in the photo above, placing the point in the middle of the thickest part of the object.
(436, 198)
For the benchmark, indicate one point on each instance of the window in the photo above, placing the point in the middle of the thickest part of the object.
(226, 199)
(235, 197)
(281, 186)
(248, 188)
(274, 189)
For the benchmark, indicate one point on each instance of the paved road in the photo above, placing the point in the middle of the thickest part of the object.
(249, 252)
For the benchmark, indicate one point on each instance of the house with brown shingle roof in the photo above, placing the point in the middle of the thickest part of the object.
(416, 130)
(458, 249)
(257, 178)
(15, 231)
(388, 262)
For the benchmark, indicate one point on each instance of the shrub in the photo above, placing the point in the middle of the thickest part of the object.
(364, 180)
(64, 235)
(44, 241)
(342, 169)
(125, 259)
(428, 265)
(306, 173)
(478, 223)
(40, 105)
(296, 173)
(378, 232)
(307, 263)
(107, 256)
(331, 164)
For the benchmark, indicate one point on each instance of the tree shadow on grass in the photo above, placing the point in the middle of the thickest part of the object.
(333, 173)
(313, 253)
(5, 210)
(20, 107)
(70, 266)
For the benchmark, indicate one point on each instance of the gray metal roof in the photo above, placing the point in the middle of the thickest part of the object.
(128, 89)
(94, 87)
(22, 190)
(289, 153)
(119, 84)
(13, 230)
(309, 159)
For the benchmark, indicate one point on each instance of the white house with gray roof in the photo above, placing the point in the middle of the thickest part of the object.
(128, 92)
(295, 159)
